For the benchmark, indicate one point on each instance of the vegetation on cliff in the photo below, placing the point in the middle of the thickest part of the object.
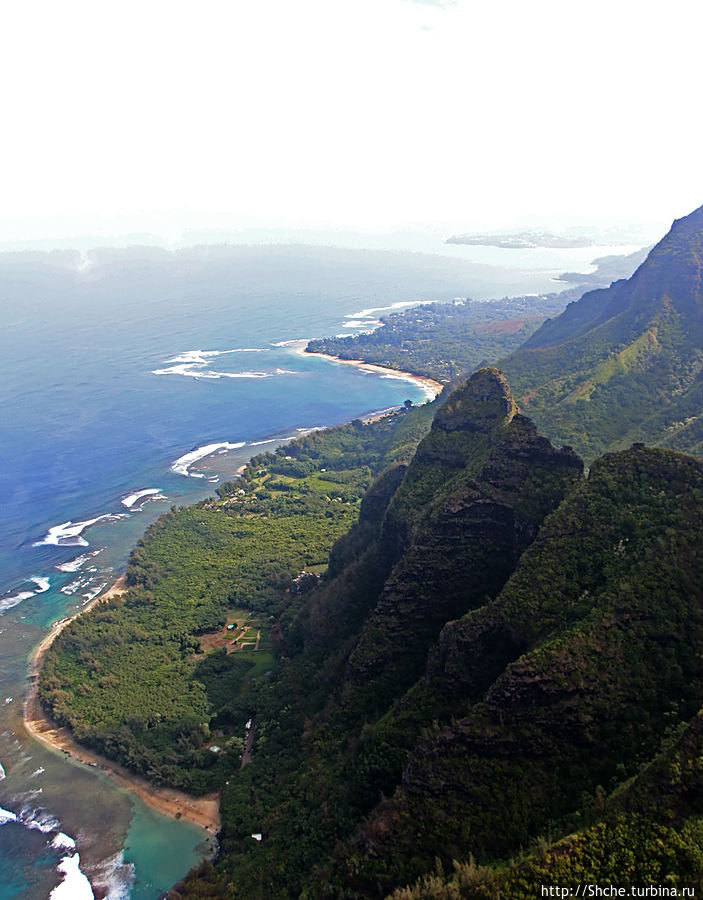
(625, 363)
(535, 706)
(489, 677)
(153, 679)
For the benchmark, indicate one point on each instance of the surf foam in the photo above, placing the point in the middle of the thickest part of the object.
(193, 364)
(39, 820)
(63, 841)
(114, 877)
(131, 499)
(14, 599)
(369, 312)
(43, 584)
(191, 371)
(73, 565)
(75, 885)
(183, 463)
(7, 816)
(68, 534)
(91, 595)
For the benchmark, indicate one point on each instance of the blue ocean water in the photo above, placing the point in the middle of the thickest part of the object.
(116, 366)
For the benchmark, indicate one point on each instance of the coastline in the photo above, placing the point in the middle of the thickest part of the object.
(202, 811)
(431, 387)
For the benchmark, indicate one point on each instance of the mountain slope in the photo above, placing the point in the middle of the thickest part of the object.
(473, 498)
(647, 833)
(604, 625)
(431, 708)
(624, 363)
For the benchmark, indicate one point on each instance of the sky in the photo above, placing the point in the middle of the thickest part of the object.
(358, 114)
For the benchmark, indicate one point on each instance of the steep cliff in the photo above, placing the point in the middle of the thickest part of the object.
(502, 650)
(593, 648)
(472, 500)
(624, 363)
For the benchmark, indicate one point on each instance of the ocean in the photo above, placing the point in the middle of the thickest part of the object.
(133, 380)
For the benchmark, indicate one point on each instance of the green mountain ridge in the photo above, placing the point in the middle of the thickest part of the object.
(487, 481)
(623, 363)
(512, 643)
(596, 635)
(492, 678)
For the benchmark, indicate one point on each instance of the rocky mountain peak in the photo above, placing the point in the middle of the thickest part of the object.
(483, 403)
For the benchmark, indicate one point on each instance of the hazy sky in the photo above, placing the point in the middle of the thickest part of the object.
(369, 114)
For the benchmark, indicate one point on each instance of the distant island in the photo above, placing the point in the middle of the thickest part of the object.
(522, 240)
(434, 655)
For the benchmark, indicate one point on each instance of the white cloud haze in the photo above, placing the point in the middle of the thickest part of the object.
(359, 113)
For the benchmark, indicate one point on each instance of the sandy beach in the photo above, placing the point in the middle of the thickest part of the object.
(202, 811)
(431, 387)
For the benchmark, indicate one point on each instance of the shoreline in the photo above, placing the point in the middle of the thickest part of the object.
(431, 387)
(201, 811)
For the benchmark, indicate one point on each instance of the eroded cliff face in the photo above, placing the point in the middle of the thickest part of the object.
(624, 363)
(564, 682)
(485, 480)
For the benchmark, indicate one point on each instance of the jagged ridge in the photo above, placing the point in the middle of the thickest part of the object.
(624, 363)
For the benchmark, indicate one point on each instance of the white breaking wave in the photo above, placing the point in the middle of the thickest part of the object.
(91, 595)
(183, 463)
(153, 493)
(202, 356)
(68, 534)
(42, 583)
(193, 364)
(250, 374)
(369, 313)
(362, 323)
(75, 885)
(73, 565)
(7, 816)
(62, 841)
(114, 876)
(39, 820)
(73, 586)
(14, 599)
(190, 371)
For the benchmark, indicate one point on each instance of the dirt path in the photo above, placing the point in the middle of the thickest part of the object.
(248, 744)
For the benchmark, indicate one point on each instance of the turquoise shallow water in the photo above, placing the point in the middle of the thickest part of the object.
(102, 392)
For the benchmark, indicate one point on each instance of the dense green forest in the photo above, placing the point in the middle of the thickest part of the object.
(496, 686)
(625, 363)
(447, 341)
(130, 677)
(474, 666)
